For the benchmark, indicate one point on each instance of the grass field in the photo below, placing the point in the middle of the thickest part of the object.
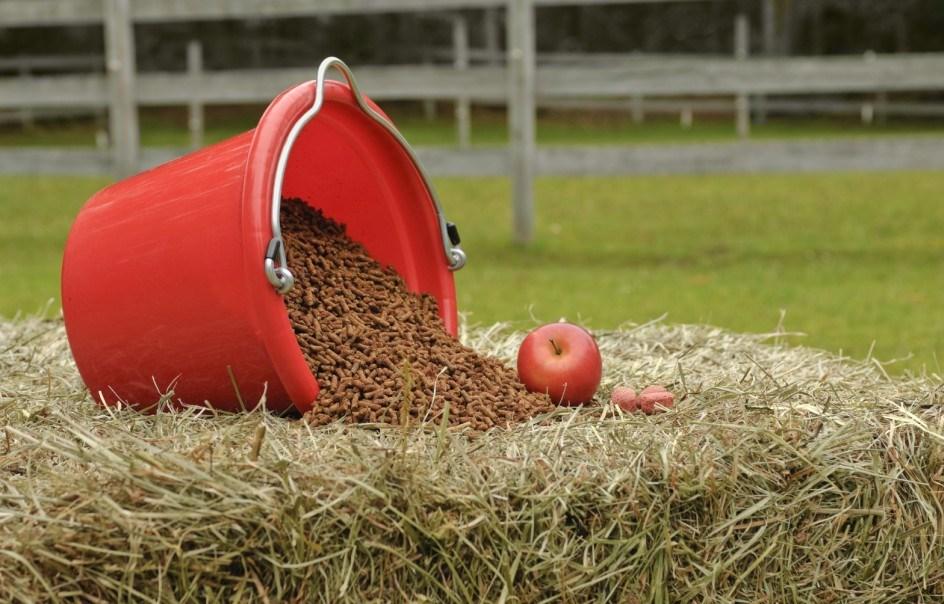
(851, 259)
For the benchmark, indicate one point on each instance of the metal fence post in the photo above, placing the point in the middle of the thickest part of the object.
(460, 49)
(120, 64)
(521, 114)
(741, 42)
(195, 121)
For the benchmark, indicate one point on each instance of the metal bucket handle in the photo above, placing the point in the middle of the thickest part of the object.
(276, 263)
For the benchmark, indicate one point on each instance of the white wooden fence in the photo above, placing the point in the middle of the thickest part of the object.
(64, 12)
(520, 81)
(693, 77)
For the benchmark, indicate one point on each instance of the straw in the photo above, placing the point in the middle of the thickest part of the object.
(783, 474)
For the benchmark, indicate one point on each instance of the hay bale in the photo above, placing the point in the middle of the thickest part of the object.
(783, 474)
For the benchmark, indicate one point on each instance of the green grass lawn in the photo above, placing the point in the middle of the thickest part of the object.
(35, 214)
(168, 128)
(851, 259)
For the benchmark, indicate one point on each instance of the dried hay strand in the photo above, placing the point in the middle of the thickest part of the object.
(784, 474)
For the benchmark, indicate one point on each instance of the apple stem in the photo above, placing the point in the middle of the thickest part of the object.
(557, 349)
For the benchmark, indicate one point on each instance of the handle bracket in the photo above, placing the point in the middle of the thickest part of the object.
(278, 274)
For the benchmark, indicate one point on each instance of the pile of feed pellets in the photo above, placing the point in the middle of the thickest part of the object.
(380, 352)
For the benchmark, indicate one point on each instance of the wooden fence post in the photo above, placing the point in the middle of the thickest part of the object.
(741, 42)
(26, 113)
(460, 49)
(429, 104)
(521, 114)
(638, 108)
(867, 111)
(769, 31)
(120, 64)
(492, 41)
(195, 121)
(881, 106)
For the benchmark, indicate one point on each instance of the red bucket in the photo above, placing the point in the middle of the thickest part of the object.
(173, 279)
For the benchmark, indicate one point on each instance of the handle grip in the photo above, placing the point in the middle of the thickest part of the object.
(276, 263)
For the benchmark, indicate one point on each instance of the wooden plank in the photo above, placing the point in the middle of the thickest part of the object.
(58, 62)
(472, 162)
(850, 155)
(436, 81)
(14, 117)
(820, 75)
(460, 40)
(834, 107)
(79, 161)
(19, 13)
(691, 77)
(66, 91)
(26, 160)
(80, 95)
(256, 86)
(622, 58)
(639, 106)
(178, 10)
(484, 55)
(123, 108)
(798, 105)
(521, 115)
(795, 156)
(15, 13)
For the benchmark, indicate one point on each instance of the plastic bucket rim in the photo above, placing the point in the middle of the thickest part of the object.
(270, 317)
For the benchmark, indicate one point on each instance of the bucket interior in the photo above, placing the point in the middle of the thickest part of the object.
(356, 173)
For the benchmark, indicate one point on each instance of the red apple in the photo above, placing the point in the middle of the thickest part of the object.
(562, 360)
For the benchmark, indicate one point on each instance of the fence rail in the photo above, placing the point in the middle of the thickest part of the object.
(869, 105)
(57, 12)
(854, 154)
(690, 77)
(32, 63)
